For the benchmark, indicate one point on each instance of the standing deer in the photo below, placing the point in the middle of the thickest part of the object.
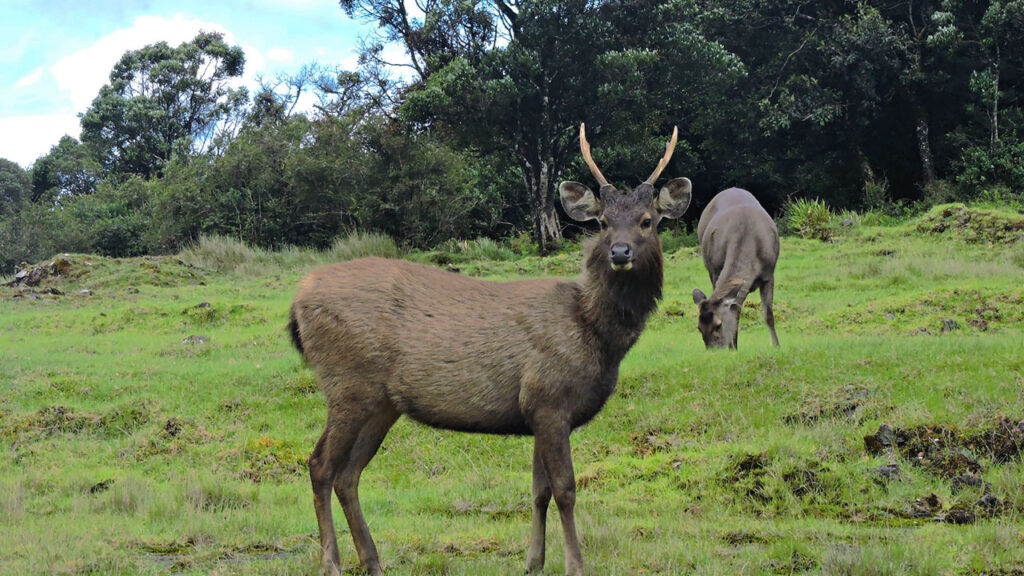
(740, 245)
(532, 357)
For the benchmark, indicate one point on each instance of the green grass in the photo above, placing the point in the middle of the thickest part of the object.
(130, 448)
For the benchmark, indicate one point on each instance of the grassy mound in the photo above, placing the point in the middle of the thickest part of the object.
(973, 224)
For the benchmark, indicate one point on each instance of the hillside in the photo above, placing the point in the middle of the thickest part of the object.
(155, 419)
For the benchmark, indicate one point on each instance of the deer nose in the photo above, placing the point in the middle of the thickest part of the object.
(620, 253)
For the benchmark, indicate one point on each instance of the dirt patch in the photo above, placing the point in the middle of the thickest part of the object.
(742, 537)
(843, 403)
(475, 547)
(747, 474)
(947, 451)
(175, 436)
(796, 564)
(651, 442)
(803, 481)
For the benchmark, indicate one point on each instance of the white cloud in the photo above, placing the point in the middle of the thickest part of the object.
(25, 138)
(13, 52)
(279, 55)
(83, 73)
(29, 79)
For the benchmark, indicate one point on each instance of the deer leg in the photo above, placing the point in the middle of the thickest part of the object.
(552, 441)
(325, 462)
(767, 294)
(346, 485)
(541, 499)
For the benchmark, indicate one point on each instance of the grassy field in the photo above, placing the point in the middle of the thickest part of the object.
(160, 422)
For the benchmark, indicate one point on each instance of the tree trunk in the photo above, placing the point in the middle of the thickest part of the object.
(924, 147)
(546, 229)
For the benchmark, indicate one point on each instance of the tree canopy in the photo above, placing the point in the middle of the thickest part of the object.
(163, 100)
(865, 105)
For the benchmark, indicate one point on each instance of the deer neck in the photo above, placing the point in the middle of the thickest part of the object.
(615, 305)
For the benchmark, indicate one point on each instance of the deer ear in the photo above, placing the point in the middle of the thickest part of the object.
(674, 198)
(698, 296)
(579, 202)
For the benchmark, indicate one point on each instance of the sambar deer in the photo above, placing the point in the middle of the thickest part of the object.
(740, 246)
(532, 357)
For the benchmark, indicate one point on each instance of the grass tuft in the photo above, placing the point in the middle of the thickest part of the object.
(363, 244)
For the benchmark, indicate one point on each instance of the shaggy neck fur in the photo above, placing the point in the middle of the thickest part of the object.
(615, 305)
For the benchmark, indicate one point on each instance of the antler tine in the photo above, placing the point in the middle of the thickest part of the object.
(585, 148)
(669, 148)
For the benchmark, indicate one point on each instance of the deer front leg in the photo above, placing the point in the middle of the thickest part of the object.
(541, 499)
(551, 441)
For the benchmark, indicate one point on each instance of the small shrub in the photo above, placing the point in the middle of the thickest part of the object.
(809, 219)
(523, 244)
(363, 244)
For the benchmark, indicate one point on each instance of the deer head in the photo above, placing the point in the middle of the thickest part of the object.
(719, 316)
(629, 217)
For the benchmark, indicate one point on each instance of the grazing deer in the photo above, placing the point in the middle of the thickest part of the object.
(740, 246)
(532, 357)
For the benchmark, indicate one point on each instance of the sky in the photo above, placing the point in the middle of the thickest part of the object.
(57, 54)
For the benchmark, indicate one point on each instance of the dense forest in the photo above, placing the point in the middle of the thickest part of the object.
(871, 105)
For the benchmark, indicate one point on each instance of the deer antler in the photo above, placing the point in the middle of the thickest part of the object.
(669, 148)
(585, 148)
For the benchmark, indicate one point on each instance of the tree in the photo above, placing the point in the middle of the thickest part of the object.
(15, 187)
(518, 78)
(67, 171)
(162, 101)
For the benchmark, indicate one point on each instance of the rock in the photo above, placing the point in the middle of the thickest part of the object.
(962, 481)
(85, 292)
(61, 265)
(132, 290)
(959, 514)
(195, 339)
(202, 305)
(881, 440)
(950, 325)
(100, 486)
(990, 504)
(888, 472)
(847, 222)
(925, 507)
(890, 316)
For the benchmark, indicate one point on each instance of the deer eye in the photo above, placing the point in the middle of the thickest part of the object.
(646, 223)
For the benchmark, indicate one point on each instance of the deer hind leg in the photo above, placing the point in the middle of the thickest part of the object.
(541, 499)
(346, 484)
(551, 440)
(347, 413)
(767, 294)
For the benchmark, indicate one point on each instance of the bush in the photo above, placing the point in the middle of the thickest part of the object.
(982, 168)
(809, 219)
(674, 239)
